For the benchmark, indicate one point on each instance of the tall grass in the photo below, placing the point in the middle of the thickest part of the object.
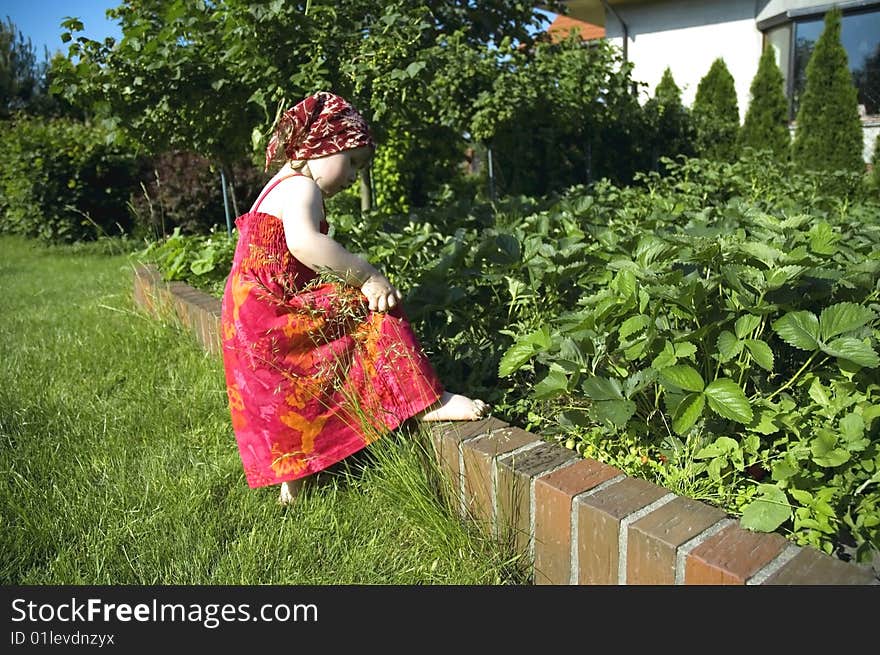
(119, 464)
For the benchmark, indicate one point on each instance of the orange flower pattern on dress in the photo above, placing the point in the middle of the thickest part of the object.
(312, 374)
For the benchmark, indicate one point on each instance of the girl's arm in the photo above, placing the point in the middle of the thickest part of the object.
(301, 216)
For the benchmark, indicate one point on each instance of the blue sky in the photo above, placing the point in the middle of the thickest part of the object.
(40, 20)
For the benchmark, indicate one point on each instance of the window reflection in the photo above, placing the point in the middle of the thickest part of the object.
(860, 35)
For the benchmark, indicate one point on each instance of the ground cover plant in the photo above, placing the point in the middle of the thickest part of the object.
(120, 466)
(713, 330)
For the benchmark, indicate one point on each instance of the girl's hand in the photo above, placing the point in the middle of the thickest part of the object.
(381, 294)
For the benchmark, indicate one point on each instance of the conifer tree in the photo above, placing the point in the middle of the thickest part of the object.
(766, 123)
(670, 121)
(716, 114)
(828, 135)
(875, 163)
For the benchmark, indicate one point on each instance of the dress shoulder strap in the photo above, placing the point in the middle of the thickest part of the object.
(269, 188)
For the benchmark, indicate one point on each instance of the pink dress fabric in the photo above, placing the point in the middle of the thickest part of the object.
(312, 375)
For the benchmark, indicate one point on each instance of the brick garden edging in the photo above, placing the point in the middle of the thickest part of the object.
(577, 521)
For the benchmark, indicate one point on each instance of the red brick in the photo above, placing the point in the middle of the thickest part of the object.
(812, 567)
(446, 438)
(478, 456)
(143, 282)
(599, 518)
(731, 557)
(147, 288)
(653, 540)
(553, 498)
(212, 304)
(209, 330)
(513, 489)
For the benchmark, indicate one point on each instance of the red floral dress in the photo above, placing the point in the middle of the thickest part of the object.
(312, 374)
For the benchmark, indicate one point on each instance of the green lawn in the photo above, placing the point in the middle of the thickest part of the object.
(120, 465)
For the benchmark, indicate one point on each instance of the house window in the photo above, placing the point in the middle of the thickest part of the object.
(860, 35)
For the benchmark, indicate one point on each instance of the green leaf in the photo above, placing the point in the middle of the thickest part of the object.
(598, 388)
(721, 447)
(799, 329)
(822, 239)
(523, 350)
(619, 412)
(684, 349)
(761, 353)
(202, 266)
(666, 357)
(852, 427)
(688, 412)
(728, 346)
(638, 381)
(764, 422)
(636, 350)
(728, 400)
(826, 452)
(854, 350)
(632, 325)
(767, 511)
(778, 277)
(818, 393)
(413, 69)
(843, 317)
(869, 413)
(762, 252)
(746, 324)
(515, 356)
(553, 384)
(256, 138)
(625, 283)
(785, 468)
(682, 376)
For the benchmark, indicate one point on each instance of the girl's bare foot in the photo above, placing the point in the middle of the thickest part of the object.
(290, 490)
(455, 407)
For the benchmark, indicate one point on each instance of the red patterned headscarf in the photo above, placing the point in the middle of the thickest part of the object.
(322, 124)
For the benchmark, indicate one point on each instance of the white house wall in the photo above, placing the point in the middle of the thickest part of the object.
(776, 7)
(687, 36)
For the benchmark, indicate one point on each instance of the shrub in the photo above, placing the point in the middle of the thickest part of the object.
(670, 121)
(828, 136)
(766, 122)
(63, 181)
(716, 114)
(183, 189)
(875, 164)
(585, 126)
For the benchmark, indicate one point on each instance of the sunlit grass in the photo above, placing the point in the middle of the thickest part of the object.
(120, 466)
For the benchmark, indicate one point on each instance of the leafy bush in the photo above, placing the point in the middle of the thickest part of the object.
(413, 163)
(183, 189)
(584, 126)
(720, 316)
(201, 260)
(63, 180)
(716, 114)
(766, 122)
(671, 125)
(875, 164)
(828, 136)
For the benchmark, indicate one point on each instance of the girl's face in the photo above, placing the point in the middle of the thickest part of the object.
(339, 171)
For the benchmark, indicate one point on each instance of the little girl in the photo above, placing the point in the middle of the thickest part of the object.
(320, 360)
